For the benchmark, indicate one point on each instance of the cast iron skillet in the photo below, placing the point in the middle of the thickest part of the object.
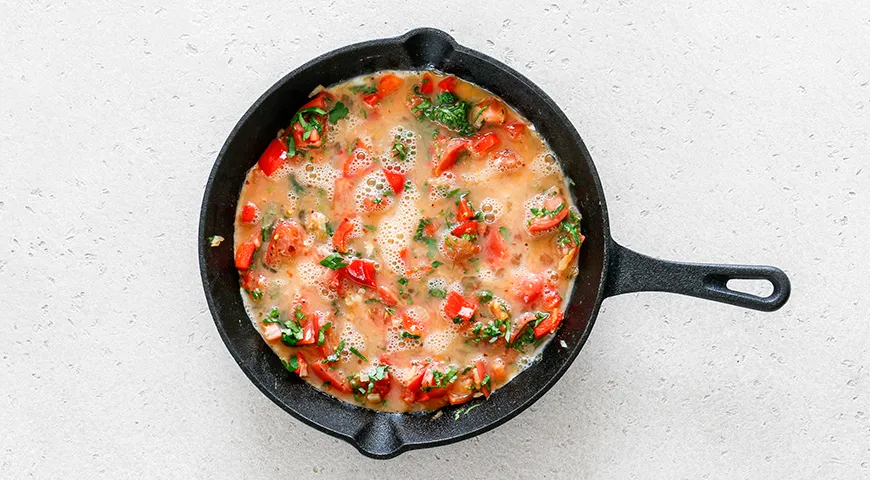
(606, 268)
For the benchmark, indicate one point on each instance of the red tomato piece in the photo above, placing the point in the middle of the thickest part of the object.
(479, 376)
(450, 155)
(413, 387)
(302, 371)
(550, 324)
(464, 212)
(430, 229)
(427, 86)
(488, 112)
(397, 180)
(414, 325)
(317, 102)
(324, 373)
(272, 332)
(244, 255)
(339, 238)
(286, 240)
(371, 99)
(389, 297)
(550, 296)
(519, 325)
(515, 129)
(528, 289)
(542, 224)
(362, 272)
(376, 205)
(469, 227)
(484, 143)
(314, 139)
(506, 160)
(249, 212)
(496, 248)
(458, 306)
(252, 281)
(388, 84)
(448, 84)
(273, 158)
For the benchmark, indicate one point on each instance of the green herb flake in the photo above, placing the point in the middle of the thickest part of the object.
(354, 351)
(336, 355)
(438, 292)
(339, 111)
(321, 333)
(505, 233)
(334, 261)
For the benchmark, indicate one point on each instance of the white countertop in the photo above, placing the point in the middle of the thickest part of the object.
(722, 133)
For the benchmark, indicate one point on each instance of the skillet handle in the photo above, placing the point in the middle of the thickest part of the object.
(633, 272)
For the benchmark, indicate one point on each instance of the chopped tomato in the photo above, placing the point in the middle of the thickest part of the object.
(388, 84)
(371, 99)
(550, 297)
(488, 112)
(428, 388)
(459, 306)
(302, 371)
(519, 325)
(251, 280)
(274, 157)
(506, 160)
(286, 240)
(388, 296)
(319, 322)
(339, 238)
(414, 325)
(397, 180)
(549, 324)
(376, 205)
(499, 369)
(361, 272)
(495, 247)
(342, 197)
(314, 139)
(448, 84)
(309, 332)
(427, 86)
(336, 283)
(479, 377)
(460, 391)
(464, 212)
(528, 288)
(413, 387)
(484, 142)
(317, 102)
(272, 332)
(244, 255)
(548, 221)
(450, 155)
(469, 227)
(249, 212)
(515, 129)
(324, 373)
(430, 229)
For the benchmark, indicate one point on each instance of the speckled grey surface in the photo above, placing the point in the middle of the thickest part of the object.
(721, 133)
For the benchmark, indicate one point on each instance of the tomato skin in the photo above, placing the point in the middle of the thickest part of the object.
(339, 238)
(469, 227)
(450, 155)
(427, 86)
(448, 84)
(551, 299)
(515, 129)
(302, 371)
(549, 324)
(327, 375)
(244, 255)
(483, 143)
(388, 84)
(464, 212)
(272, 333)
(413, 387)
(496, 248)
(506, 160)
(317, 102)
(362, 272)
(371, 99)
(388, 296)
(285, 241)
(397, 180)
(542, 224)
(528, 289)
(273, 158)
(457, 306)
(249, 212)
(519, 325)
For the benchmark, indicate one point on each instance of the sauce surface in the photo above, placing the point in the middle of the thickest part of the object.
(406, 242)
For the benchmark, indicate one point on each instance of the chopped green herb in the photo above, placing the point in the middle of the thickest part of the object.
(321, 334)
(362, 111)
(540, 317)
(403, 281)
(336, 355)
(400, 151)
(460, 411)
(484, 296)
(438, 292)
(364, 89)
(452, 193)
(505, 233)
(437, 264)
(571, 182)
(370, 228)
(339, 111)
(448, 111)
(272, 317)
(406, 334)
(334, 261)
(291, 365)
(329, 229)
(256, 294)
(296, 185)
(354, 351)
(380, 373)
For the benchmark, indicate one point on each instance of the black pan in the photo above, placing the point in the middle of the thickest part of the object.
(606, 268)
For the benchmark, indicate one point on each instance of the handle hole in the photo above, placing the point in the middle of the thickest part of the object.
(758, 287)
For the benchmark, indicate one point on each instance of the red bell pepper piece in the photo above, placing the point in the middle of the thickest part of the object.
(484, 142)
(549, 324)
(273, 158)
(469, 227)
(464, 212)
(244, 255)
(551, 299)
(371, 99)
(362, 272)
(448, 84)
(397, 180)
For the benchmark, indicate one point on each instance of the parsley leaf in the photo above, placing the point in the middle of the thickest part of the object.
(354, 351)
(321, 334)
(339, 111)
(438, 292)
(334, 261)
(336, 355)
